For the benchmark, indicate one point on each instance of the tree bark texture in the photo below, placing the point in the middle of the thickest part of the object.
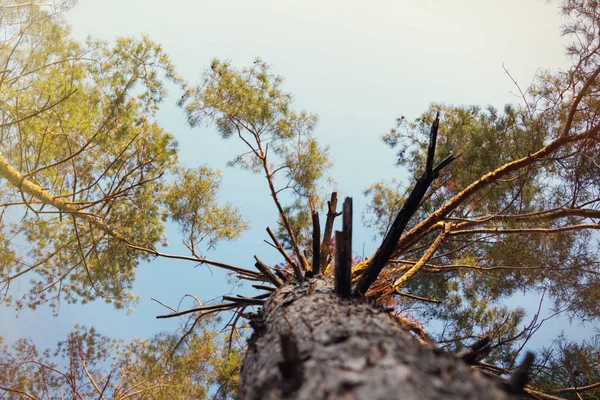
(309, 343)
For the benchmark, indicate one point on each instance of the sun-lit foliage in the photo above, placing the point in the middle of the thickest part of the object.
(89, 365)
(522, 201)
(88, 178)
(83, 162)
(251, 105)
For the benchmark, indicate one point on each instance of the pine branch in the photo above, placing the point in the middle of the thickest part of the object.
(267, 273)
(285, 255)
(420, 230)
(419, 264)
(389, 243)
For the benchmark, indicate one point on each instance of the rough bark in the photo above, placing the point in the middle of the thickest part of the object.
(309, 343)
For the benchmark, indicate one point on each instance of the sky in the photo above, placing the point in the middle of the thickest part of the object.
(358, 65)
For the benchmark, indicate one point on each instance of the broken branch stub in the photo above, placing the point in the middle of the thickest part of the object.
(316, 243)
(331, 215)
(343, 253)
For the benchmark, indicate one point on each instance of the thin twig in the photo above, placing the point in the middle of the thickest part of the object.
(285, 255)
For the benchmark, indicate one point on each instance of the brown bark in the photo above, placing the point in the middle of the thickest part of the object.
(309, 343)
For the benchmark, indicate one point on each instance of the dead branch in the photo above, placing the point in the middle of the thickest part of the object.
(285, 255)
(331, 215)
(18, 391)
(284, 219)
(415, 297)
(343, 253)
(245, 300)
(416, 233)
(217, 307)
(578, 389)
(526, 230)
(316, 242)
(389, 243)
(267, 273)
(263, 287)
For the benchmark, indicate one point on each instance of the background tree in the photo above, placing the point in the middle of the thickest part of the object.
(88, 176)
(250, 104)
(570, 367)
(90, 365)
(522, 203)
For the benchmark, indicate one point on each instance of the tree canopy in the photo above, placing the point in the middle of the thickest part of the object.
(90, 365)
(89, 176)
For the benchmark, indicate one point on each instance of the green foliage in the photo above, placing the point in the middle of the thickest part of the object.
(78, 125)
(486, 140)
(532, 229)
(192, 203)
(567, 364)
(88, 364)
(88, 178)
(386, 201)
(250, 104)
(468, 314)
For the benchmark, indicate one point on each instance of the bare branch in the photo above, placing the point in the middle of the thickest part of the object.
(285, 255)
(18, 391)
(218, 307)
(267, 273)
(385, 251)
(331, 215)
(578, 389)
(415, 297)
(415, 268)
(245, 300)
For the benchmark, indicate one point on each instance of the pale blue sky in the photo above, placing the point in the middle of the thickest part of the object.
(357, 64)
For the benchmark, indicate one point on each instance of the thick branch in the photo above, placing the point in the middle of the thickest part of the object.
(578, 389)
(537, 216)
(343, 253)
(18, 180)
(525, 230)
(423, 260)
(26, 186)
(419, 230)
(267, 273)
(385, 251)
(573, 107)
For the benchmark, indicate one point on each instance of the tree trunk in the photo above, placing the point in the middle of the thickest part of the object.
(309, 343)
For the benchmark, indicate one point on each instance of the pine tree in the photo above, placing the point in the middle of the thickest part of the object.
(500, 202)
